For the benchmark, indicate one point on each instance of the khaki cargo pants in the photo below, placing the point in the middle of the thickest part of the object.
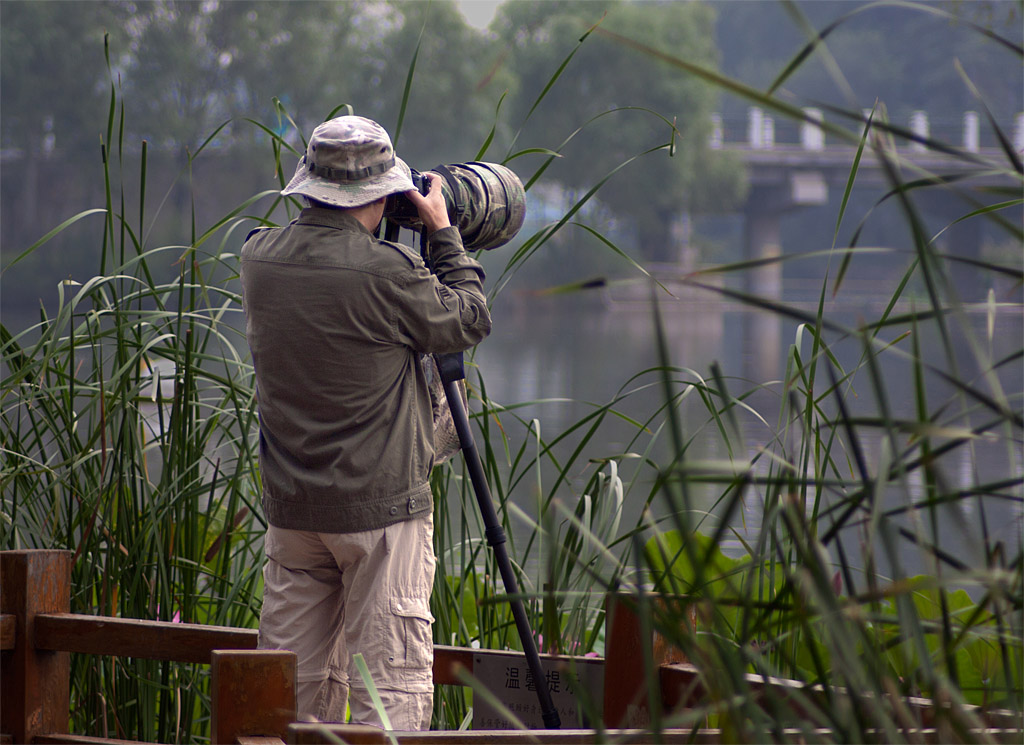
(328, 596)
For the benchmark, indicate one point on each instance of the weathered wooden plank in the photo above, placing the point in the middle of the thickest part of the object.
(34, 684)
(682, 688)
(131, 637)
(81, 740)
(162, 640)
(624, 687)
(8, 631)
(88, 740)
(448, 661)
(324, 734)
(252, 694)
(321, 734)
(351, 734)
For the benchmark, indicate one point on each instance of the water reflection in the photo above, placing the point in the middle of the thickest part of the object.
(569, 357)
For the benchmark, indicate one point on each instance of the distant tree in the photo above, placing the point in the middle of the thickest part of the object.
(456, 86)
(312, 56)
(52, 74)
(998, 15)
(605, 74)
(192, 66)
(52, 85)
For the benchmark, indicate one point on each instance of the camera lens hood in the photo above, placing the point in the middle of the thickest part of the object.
(486, 202)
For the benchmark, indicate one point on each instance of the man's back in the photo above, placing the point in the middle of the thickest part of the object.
(336, 321)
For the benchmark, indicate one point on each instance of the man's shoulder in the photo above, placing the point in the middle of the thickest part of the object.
(261, 229)
(257, 235)
(401, 251)
(341, 248)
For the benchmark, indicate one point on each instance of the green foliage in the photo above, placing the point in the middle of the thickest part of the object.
(734, 602)
(605, 107)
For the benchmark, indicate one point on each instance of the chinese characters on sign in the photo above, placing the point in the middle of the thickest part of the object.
(511, 684)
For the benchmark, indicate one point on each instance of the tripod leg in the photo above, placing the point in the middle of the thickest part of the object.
(493, 531)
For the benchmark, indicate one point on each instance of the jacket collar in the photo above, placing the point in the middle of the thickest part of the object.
(330, 218)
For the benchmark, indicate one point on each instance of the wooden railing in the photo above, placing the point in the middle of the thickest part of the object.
(253, 691)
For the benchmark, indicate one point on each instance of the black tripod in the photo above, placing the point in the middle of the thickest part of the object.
(452, 371)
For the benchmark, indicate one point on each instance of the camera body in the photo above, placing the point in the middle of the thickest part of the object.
(485, 201)
(421, 182)
(400, 210)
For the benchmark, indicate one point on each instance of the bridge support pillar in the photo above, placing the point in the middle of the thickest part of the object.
(959, 239)
(764, 330)
(762, 216)
(763, 242)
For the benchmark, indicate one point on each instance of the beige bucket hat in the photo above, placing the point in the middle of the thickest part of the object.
(349, 162)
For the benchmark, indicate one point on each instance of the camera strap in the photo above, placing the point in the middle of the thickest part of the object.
(454, 188)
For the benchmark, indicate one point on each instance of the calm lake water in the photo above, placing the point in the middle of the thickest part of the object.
(567, 358)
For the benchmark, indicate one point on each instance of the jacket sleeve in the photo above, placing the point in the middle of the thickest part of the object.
(443, 310)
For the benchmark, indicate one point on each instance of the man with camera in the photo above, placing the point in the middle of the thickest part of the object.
(337, 322)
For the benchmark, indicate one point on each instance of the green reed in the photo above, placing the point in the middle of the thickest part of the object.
(127, 420)
(129, 437)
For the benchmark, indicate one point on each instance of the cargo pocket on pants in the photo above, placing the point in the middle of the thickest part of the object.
(410, 645)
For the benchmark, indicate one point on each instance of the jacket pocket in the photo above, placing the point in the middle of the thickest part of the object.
(410, 644)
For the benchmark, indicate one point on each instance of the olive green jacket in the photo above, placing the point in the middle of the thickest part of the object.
(336, 321)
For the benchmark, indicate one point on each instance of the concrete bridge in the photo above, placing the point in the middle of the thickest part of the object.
(793, 167)
(787, 175)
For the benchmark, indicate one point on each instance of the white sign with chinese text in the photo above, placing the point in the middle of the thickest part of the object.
(576, 686)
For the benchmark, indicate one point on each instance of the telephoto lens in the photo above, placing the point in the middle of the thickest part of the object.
(486, 202)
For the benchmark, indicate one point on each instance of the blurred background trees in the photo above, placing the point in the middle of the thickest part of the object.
(623, 103)
(186, 68)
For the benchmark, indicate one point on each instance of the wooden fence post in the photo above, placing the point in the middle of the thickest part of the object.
(626, 701)
(252, 694)
(34, 684)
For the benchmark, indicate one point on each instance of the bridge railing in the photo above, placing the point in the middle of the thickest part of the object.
(253, 691)
(760, 131)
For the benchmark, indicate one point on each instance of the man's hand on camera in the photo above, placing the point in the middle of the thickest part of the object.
(432, 208)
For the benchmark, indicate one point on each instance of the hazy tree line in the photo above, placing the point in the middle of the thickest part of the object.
(182, 69)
